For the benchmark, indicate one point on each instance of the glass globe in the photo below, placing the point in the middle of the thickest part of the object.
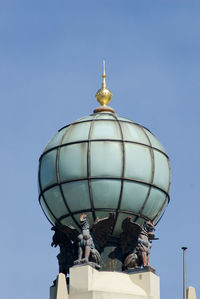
(103, 163)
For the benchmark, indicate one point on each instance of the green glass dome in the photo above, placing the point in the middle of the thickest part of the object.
(102, 163)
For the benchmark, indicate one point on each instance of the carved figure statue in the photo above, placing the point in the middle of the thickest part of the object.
(136, 242)
(87, 253)
(84, 247)
(63, 238)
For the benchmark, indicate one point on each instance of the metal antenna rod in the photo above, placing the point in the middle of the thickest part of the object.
(184, 272)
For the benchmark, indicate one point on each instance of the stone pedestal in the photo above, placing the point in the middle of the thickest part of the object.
(59, 290)
(191, 294)
(88, 283)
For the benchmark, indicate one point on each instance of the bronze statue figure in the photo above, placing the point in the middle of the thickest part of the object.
(64, 237)
(87, 253)
(84, 247)
(136, 242)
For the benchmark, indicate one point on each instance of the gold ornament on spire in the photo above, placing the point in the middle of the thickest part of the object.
(104, 95)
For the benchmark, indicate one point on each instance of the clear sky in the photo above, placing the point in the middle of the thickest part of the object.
(50, 69)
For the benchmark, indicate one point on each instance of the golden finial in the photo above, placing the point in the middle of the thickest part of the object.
(104, 95)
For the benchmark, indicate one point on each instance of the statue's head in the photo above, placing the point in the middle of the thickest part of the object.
(149, 227)
(83, 218)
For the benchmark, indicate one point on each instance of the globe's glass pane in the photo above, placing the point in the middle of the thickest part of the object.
(85, 118)
(138, 163)
(48, 169)
(69, 222)
(55, 202)
(134, 133)
(103, 115)
(160, 214)
(56, 139)
(124, 119)
(162, 172)
(120, 218)
(133, 197)
(73, 161)
(46, 211)
(106, 193)
(105, 130)
(154, 203)
(77, 195)
(77, 132)
(106, 159)
(154, 141)
(102, 214)
(89, 215)
(140, 221)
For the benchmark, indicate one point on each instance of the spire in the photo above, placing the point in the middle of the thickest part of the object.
(104, 76)
(104, 95)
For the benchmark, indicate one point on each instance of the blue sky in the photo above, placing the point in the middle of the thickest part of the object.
(51, 56)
